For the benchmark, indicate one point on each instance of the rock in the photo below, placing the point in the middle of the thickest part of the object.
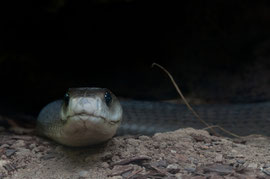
(219, 158)
(45, 143)
(18, 143)
(178, 175)
(24, 152)
(253, 165)
(59, 149)
(10, 152)
(266, 171)
(240, 161)
(31, 146)
(40, 148)
(162, 163)
(173, 168)
(107, 156)
(190, 169)
(218, 168)
(163, 145)
(4, 146)
(115, 177)
(105, 165)
(83, 174)
(48, 156)
(3, 162)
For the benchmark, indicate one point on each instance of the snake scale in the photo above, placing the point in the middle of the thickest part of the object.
(89, 116)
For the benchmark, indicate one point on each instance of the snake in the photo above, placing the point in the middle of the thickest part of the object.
(89, 116)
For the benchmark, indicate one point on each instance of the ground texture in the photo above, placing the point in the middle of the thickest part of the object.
(185, 153)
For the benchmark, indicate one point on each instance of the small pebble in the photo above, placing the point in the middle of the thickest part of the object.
(31, 146)
(173, 168)
(266, 171)
(115, 177)
(18, 143)
(4, 146)
(11, 142)
(240, 161)
(23, 151)
(39, 155)
(83, 174)
(107, 156)
(143, 138)
(3, 162)
(41, 148)
(10, 152)
(59, 149)
(48, 156)
(178, 175)
(156, 145)
(240, 156)
(204, 147)
(105, 165)
(190, 169)
(162, 163)
(219, 158)
(253, 165)
(45, 143)
(163, 145)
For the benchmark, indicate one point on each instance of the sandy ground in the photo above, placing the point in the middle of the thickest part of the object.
(185, 153)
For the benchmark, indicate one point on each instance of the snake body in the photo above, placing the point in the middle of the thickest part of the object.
(89, 116)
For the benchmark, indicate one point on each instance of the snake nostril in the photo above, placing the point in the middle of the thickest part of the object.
(108, 98)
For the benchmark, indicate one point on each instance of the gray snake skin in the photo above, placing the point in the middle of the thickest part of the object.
(151, 117)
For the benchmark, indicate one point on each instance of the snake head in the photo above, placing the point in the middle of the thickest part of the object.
(90, 113)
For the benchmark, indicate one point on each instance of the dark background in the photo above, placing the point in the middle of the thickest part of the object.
(216, 50)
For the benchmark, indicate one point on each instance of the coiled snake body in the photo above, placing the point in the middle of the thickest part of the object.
(93, 115)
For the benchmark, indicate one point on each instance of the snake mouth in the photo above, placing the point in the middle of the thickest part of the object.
(83, 129)
(87, 126)
(91, 118)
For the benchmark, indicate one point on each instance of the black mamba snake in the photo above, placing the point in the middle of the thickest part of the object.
(89, 116)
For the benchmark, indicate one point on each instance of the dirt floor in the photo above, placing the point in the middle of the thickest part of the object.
(185, 153)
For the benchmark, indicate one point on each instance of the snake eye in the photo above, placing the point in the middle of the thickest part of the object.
(66, 99)
(108, 98)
